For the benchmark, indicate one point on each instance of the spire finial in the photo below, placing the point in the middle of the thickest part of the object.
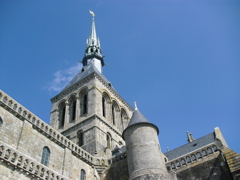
(135, 104)
(189, 136)
(92, 13)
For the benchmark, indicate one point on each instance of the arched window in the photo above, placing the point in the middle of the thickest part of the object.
(113, 115)
(84, 101)
(62, 111)
(199, 156)
(85, 104)
(108, 140)
(124, 119)
(45, 156)
(204, 153)
(103, 107)
(178, 163)
(83, 175)
(209, 150)
(80, 138)
(188, 159)
(193, 157)
(214, 148)
(106, 106)
(173, 166)
(72, 108)
(1, 121)
(183, 161)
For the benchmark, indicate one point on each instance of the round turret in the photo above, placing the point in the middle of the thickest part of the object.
(143, 150)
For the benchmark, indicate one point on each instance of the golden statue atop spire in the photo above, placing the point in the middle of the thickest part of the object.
(92, 13)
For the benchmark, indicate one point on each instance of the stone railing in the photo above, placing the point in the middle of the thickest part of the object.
(192, 157)
(26, 164)
(22, 113)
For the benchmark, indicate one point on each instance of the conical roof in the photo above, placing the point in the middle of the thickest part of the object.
(138, 118)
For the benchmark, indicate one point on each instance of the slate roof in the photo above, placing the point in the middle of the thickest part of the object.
(89, 69)
(192, 146)
(137, 117)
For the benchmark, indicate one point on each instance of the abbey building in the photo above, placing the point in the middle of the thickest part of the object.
(94, 134)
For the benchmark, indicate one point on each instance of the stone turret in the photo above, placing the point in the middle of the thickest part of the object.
(145, 158)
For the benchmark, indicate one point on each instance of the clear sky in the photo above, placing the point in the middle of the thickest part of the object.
(178, 59)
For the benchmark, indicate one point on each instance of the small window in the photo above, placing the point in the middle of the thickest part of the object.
(199, 156)
(173, 166)
(45, 156)
(209, 150)
(74, 104)
(188, 159)
(178, 164)
(109, 141)
(214, 148)
(204, 153)
(80, 138)
(193, 157)
(83, 175)
(183, 161)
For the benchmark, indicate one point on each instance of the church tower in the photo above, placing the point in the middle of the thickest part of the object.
(88, 110)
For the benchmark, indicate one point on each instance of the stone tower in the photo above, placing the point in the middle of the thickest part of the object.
(88, 110)
(145, 159)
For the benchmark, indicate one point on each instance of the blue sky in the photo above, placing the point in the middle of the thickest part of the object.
(178, 59)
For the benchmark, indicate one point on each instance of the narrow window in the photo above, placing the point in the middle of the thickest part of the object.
(63, 116)
(209, 150)
(108, 141)
(188, 159)
(80, 138)
(74, 110)
(214, 148)
(83, 175)
(45, 156)
(85, 104)
(204, 153)
(178, 164)
(193, 157)
(103, 107)
(113, 115)
(183, 161)
(199, 156)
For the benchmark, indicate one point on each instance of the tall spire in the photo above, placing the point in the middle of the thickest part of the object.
(93, 35)
(93, 50)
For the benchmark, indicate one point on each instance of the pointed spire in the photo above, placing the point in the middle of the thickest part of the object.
(93, 50)
(93, 35)
(189, 136)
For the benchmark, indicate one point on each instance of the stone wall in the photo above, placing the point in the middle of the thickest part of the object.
(214, 169)
(22, 134)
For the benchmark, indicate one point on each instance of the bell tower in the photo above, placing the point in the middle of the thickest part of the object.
(88, 110)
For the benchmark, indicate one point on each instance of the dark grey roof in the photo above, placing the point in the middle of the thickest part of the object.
(137, 117)
(192, 146)
(89, 69)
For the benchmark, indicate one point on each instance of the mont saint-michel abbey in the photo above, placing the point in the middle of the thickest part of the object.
(94, 134)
